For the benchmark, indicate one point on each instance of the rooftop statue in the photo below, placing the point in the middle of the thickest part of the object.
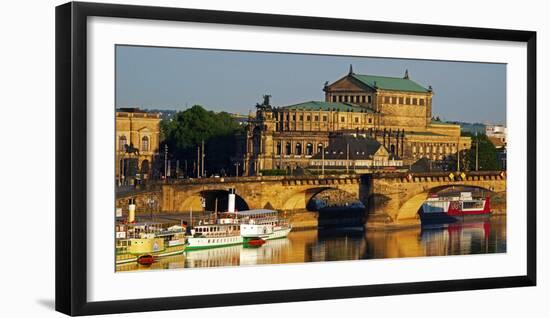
(266, 104)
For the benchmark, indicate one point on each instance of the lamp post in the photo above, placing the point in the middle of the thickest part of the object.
(237, 164)
(458, 155)
(151, 204)
(477, 152)
(198, 161)
(347, 158)
(165, 161)
(323, 160)
(202, 158)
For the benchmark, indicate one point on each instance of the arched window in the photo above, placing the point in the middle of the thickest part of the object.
(320, 148)
(278, 147)
(309, 149)
(288, 148)
(145, 143)
(298, 149)
(121, 143)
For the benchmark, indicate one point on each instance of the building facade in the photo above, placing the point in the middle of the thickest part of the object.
(137, 144)
(353, 153)
(395, 111)
(497, 134)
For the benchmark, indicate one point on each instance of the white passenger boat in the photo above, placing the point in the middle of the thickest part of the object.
(262, 224)
(224, 231)
(238, 227)
(214, 235)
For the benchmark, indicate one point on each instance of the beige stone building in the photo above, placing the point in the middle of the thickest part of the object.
(136, 145)
(396, 111)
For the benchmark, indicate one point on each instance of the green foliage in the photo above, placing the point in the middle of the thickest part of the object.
(190, 127)
(487, 153)
(187, 129)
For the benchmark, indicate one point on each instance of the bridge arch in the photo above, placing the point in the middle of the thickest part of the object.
(410, 207)
(212, 200)
(303, 199)
(218, 199)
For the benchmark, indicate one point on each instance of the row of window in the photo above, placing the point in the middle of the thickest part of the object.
(404, 100)
(352, 99)
(361, 163)
(433, 157)
(434, 149)
(297, 149)
(356, 120)
(217, 229)
(308, 117)
(325, 118)
(122, 142)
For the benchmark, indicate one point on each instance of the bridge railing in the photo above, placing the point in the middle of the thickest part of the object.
(211, 180)
(136, 189)
(155, 185)
(444, 174)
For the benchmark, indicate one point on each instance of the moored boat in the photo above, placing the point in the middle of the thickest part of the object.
(454, 208)
(238, 227)
(223, 231)
(134, 240)
(213, 235)
(262, 224)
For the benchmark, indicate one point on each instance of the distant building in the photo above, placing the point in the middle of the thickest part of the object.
(354, 153)
(395, 111)
(241, 119)
(137, 143)
(497, 134)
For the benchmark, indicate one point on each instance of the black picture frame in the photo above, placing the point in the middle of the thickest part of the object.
(71, 157)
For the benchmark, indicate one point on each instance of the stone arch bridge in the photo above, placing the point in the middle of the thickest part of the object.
(391, 198)
(395, 199)
(274, 192)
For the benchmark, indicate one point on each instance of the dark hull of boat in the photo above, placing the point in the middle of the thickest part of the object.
(442, 217)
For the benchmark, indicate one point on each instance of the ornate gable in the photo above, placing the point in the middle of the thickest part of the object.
(381, 152)
(348, 84)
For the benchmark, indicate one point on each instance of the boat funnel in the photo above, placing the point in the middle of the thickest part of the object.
(231, 201)
(131, 211)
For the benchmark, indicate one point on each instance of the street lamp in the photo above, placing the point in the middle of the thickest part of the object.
(151, 204)
(237, 164)
(477, 152)
(165, 161)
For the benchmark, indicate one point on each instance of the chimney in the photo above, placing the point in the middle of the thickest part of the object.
(131, 211)
(231, 201)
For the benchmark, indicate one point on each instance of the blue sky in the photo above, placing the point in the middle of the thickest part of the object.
(234, 81)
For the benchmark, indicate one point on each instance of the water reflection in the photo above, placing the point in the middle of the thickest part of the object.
(478, 237)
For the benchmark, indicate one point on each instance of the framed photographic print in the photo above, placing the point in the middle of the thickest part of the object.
(210, 158)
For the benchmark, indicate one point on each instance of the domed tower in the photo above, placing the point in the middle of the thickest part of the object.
(261, 126)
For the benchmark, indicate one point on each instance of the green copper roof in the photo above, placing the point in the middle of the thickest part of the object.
(390, 83)
(327, 106)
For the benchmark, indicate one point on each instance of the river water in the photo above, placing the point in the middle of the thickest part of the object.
(351, 243)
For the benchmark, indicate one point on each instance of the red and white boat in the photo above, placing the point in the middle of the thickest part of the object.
(453, 208)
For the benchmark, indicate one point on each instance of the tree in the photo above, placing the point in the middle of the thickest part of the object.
(189, 128)
(487, 153)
